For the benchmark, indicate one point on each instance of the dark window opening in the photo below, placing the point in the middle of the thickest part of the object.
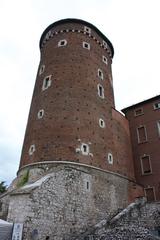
(149, 192)
(146, 165)
(142, 136)
(138, 111)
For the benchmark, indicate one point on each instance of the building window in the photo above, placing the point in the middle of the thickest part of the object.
(138, 111)
(85, 149)
(100, 74)
(101, 123)
(31, 149)
(100, 91)
(146, 165)
(87, 29)
(104, 59)
(62, 43)
(110, 158)
(41, 70)
(40, 113)
(150, 194)
(86, 45)
(156, 105)
(48, 35)
(141, 134)
(46, 82)
(158, 126)
(105, 44)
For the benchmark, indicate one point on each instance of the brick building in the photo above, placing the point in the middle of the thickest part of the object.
(144, 123)
(79, 163)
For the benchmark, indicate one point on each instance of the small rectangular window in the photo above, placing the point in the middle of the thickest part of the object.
(146, 165)
(138, 111)
(158, 126)
(100, 74)
(87, 29)
(62, 43)
(46, 82)
(86, 45)
(104, 59)
(150, 194)
(156, 105)
(141, 134)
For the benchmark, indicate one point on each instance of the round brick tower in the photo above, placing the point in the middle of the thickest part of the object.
(76, 160)
(70, 115)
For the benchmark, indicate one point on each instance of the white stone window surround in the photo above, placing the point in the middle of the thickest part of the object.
(100, 91)
(110, 158)
(41, 69)
(32, 149)
(138, 134)
(138, 111)
(104, 59)
(46, 82)
(86, 45)
(156, 105)
(87, 29)
(105, 44)
(85, 149)
(40, 113)
(158, 127)
(62, 43)
(142, 164)
(100, 73)
(102, 123)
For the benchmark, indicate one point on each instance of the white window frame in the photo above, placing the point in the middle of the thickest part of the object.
(88, 45)
(62, 43)
(105, 44)
(102, 123)
(87, 29)
(41, 69)
(156, 107)
(145, 134)
(110, 158)
(87, 149)
(98, 87)
(40, 114)
(100, 73)
(154, 193)
(104, 59)
(139, 114)
(142, 169)
(44, 86)
(48, 35)
(158, 127)
(31, 150)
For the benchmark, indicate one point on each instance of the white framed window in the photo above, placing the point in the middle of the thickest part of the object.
(102, 123)
(141, 134)
(85, 149)
(146, 164)
(86, 45)
(62, 43)
(156, 105)
(100, 73)
(42, 68)
(48, 35)
(31, 149)
(158, 127)
(138, 112)
(40, 113)
(104, 59)
(110, 158)
(150, 193)
(46, 82)
(105, 44)
(87, 29)
(100, 91)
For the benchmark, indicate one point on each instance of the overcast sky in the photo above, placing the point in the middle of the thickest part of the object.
(133, 27)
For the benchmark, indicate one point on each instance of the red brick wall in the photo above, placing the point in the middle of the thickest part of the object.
(150, 147)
